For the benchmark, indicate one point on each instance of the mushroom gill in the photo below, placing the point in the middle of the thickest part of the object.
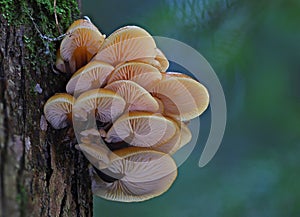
(136, 97)
(105, 104)
(58, 110)
(143, 74)
(183, 97)
(81, 43)
(91, 76)
(142, 129)
(141, 175)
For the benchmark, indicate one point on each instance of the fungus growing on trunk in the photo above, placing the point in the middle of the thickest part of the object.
(130, 114)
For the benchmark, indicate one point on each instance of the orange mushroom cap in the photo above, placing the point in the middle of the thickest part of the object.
(126, 44)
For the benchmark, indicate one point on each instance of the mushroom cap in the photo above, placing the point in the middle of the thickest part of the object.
(91, 76)
(81, 23)
(142, 129)
(136, 97)
(58, 110)
(181, 138)
(141, 73)
(105, 104)
(144, 174)
(183, 97)
(126, 44)
(81, 43)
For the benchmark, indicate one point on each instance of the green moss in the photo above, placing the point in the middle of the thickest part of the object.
(17, 13)
(21, 199)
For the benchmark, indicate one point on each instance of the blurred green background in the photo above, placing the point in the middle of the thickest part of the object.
(254, 48)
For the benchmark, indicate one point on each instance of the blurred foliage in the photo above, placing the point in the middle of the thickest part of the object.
(254, 47)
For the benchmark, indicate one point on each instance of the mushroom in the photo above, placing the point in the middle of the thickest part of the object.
(181, 138)
(81, 43)
(137, 174)
(58, 110)
(142, 129)
(126, 44)
(105, 104)
(91, 76)
(136, 97)
(183, 97)
(141, 73)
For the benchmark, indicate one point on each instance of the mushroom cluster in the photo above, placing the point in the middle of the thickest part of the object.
(131, 115)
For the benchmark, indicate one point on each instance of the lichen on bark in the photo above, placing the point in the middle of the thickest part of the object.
(41, 173)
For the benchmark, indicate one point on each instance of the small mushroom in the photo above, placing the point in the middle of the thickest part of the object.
(58, 110)
(183, 97)
(126, 44)
(105, 104)
(141, 73)
(137, 174)
(81, 43)
(136, 97)
(91, 76)
(142, 129)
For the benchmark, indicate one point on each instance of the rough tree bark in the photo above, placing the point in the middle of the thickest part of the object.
(41, 173)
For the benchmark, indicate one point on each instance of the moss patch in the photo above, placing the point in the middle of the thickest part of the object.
(17, 13)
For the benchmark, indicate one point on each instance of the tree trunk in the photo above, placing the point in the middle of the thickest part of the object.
(41, 173)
